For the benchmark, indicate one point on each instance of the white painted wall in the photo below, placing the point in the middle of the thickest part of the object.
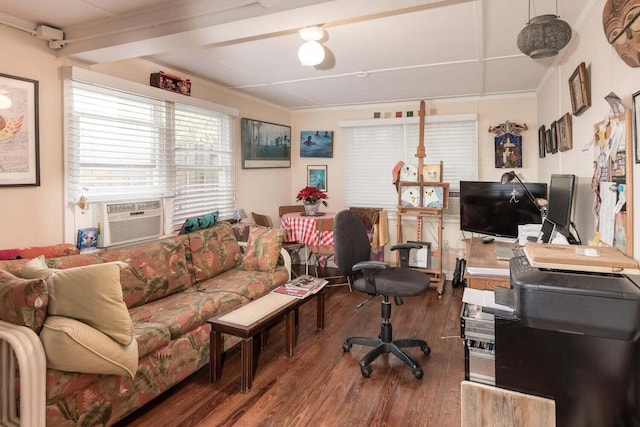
(608, 73)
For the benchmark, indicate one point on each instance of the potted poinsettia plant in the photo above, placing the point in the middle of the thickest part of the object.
(312, 198)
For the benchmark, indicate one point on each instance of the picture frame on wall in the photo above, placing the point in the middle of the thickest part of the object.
(19, 136)
(554, 136)
(316, 143)
(317, 177)
(547, 139)
(565, 141)
(264, 144)
(636, 123)
(542, 142)
(580, 90)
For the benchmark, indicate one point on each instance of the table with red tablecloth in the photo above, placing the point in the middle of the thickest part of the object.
(302, 228)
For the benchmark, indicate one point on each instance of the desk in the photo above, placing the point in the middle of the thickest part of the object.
(302, 228)
(484, 270)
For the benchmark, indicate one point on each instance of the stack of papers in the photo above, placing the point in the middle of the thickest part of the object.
(484, 299)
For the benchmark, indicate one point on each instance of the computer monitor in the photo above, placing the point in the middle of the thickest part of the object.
(560, 207)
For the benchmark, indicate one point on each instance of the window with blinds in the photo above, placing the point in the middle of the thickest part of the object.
(125, 146)
(373, 147)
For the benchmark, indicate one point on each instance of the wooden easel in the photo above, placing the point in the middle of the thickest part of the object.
(425, 214)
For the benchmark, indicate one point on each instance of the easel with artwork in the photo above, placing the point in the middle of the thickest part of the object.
(424, 198)
(612, 183)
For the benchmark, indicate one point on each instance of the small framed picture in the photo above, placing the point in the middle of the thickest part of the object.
(317, 177)
(435, 195)
(316, 143)
(432, 173)
(542, 142)
(580, 91)
(87, 239)
(554, 137)
(636, 123)
(565, 141)
(547, 139)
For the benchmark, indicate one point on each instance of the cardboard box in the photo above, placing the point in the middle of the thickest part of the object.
(171, 83)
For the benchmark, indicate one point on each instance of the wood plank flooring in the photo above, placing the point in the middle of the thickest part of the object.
(321, 385)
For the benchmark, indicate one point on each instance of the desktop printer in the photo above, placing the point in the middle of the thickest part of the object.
(587, 303)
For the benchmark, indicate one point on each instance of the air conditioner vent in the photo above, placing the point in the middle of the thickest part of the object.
(128, 222)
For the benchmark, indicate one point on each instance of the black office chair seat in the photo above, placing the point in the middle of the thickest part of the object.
(379, 278)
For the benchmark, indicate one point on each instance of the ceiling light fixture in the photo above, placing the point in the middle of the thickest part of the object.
(544, 35)
(311, 52)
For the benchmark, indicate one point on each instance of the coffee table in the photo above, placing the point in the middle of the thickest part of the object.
(249, 322)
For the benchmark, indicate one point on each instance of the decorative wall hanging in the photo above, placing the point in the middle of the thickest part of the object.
(19, 155)
(542, 142)
(618, 20)
(554, 137)
(565, 140)
(636, 123)
(171, 83)
(316, 143)
(317, 177)
(580, 90)
(265, 145)
(508, 144)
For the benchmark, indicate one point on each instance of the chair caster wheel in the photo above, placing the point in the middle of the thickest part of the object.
(346, 347)
(418, 373)
(366, 371)
(426, 350)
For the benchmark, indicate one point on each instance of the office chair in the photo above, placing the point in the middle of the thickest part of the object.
(379, 278)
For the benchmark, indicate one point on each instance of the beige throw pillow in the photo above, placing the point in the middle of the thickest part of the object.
(73, 346)
(91, 294)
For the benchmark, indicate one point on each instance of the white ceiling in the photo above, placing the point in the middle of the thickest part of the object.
(407, 49)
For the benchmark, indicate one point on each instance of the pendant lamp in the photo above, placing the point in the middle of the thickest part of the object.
(311, 52)
(544, 35)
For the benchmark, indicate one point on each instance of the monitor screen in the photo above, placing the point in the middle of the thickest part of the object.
(560, 199)
(497, 209)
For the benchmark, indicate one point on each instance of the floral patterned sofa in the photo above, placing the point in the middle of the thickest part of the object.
(170, 288)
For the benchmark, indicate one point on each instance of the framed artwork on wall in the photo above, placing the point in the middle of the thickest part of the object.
(554, 137)
(580, 90)
(636, 123)
(265, 145)
(565, 141)
(20, 153)
(316, 143)
(542, 142)
(317, 177)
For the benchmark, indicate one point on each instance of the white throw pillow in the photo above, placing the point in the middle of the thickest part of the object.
(91, 294)
(74, 346)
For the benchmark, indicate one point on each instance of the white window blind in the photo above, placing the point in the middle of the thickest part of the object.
(373, 147)
(203, 163)
(117, 144)
(121, 145)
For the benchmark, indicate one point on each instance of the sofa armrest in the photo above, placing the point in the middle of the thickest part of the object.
(284, 256)
(32, 365)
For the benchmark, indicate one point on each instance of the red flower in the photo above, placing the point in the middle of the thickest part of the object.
(311, 195)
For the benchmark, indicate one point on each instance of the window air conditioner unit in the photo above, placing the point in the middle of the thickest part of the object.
(127, 222)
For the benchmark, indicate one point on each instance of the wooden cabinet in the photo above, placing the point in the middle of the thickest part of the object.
(484, 269)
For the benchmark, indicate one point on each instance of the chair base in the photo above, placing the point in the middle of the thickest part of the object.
(383, 347)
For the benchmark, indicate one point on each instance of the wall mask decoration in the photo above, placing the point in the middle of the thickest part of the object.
(622, 29)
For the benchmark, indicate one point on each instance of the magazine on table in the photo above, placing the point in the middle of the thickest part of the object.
(302, 286)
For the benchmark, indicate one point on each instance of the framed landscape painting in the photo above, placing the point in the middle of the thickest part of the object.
(265, 145)
(316, 143)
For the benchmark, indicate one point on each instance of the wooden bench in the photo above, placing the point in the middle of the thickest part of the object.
(250, 321)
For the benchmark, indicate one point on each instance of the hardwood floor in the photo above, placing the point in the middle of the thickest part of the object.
(321, 385)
